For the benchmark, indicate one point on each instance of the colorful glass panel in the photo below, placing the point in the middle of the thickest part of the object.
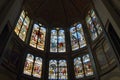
(87, 65)
(77, 37)
(24, 28)
(53, 42)
(74, 38)
(41, 38)
(96, 22)
(80, 35)
(28, 64)
(37, 70)
(62, 70)
(19, 23)
(34, 36)
(91, 28)
(79, 73)
(61, 41)
(53, 70)
(93, 24)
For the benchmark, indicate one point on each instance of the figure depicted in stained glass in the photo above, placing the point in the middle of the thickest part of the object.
(38, 37)
(96, 21)
(62, 70)
(92, 29)
(24, 28)
(53, 46)
(57, 43)
(79, 73)
(37, 71)
(58, 70)
(28, 64)
(61, 41)
(53, 70)
(34, 36)
(93, 24)
(20, 22)
(74, 38)
(41, 38)
(77, 37)
(81, 38)
(87, 65)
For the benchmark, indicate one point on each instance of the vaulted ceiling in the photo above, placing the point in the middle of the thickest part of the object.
(56, 12)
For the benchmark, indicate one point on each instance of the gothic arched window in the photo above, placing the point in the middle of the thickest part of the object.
(28, 64)
(78, 67)
(37, 70)
(22, 26)
(62, 70)
(53, 69)
(57, 42)
(93, 24)
(38, 36)
(33, 66)
(58, 70)
(87, 65)
(83, 65)
(77, 37)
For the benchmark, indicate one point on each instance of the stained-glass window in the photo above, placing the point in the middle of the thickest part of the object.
(57, 42)
(22, 26)
(37, 71)
(53, 70)
(87, 65)
(96, 21)
(78, 67)
(53, 43)
(58, 70)
(83, 66)
(38, 37)
(20, 22)
(33, 66)
(28, 64)
(62, 70)
(77, 37)
(93, 24)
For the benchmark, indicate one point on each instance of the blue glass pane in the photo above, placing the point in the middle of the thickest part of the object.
(87, 65)
(61, 41)
(53, 70)
(74, 38)
(41, 38)
(96, 21)
(79, 73)
(53, 43)
(80, 34)
(91, 28)
(62, 70)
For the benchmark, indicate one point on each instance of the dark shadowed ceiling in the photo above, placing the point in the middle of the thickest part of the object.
(56, 12)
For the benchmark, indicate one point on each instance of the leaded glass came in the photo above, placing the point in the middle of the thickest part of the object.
(77, 37)
(38, 37)
(57, 42)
